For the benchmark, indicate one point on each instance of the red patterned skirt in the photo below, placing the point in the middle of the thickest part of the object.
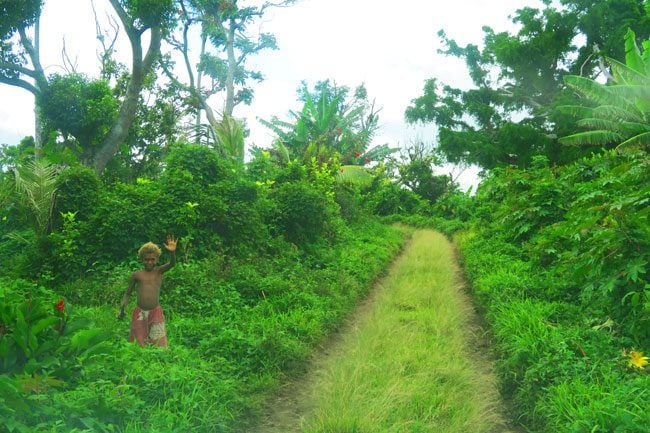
(148, 327)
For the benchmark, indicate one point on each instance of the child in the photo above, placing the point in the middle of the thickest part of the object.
(148, 321)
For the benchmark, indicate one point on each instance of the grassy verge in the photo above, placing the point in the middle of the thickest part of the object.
(406, 365)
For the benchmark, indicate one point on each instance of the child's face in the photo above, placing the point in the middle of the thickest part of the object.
(149, 261)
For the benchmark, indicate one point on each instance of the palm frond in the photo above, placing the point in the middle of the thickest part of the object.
(17, 237)
(202, 133)
(282, 151)
(282, 129)
(640, 141)
(592, 138)
(630, 92)
(590, 89)
(634, 128)
(599, 123)
(380, 152)
(230, 138)
(617, 113)
(625, 75)
(633, 57)
(36, 183)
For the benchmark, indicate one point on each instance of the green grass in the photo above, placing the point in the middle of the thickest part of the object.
(408, 365)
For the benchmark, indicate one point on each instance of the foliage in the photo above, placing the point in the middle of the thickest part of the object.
(331, 126)
(508, 117)
(21, 67)
(303, 213)
(557, 259)
(153, 133)
(90, 111)
(235, 325)
(36, 185)
(202, 164)
(415, 171)
(230, 139)
(18, 14)
(621, 116)
(389, 198)
(78, 190)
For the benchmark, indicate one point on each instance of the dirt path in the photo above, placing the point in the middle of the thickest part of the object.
(286, 411)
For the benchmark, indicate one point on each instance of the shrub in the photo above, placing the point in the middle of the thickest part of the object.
(203, 164)
(78, 191)
(303, 213)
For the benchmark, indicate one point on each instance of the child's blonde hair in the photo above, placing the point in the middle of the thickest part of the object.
(149, 248)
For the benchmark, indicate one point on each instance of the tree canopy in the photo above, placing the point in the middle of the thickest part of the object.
(509, 115)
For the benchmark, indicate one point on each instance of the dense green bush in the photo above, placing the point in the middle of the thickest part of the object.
(303, 214)
(388, 198)
(203, 164)
(77, 191)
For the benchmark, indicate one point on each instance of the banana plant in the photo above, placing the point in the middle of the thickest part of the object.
(330, 124)
(620, 115)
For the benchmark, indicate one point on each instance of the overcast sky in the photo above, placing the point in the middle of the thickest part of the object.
(389, 46)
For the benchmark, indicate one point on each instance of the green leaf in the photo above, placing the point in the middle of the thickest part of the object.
(42, 324)
(82, 340)
(592, 138)
(634, 268)
(633, 57)
(637, 142)
(354, 174)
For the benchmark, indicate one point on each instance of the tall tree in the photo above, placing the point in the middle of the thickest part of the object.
(508, 117)
(20, 63)
(226, 42)
(137, 17)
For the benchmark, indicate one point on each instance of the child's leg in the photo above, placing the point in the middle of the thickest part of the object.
(157, 332)
(139, 326)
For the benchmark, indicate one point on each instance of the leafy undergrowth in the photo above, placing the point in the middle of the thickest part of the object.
(557, 258)
(233, 328)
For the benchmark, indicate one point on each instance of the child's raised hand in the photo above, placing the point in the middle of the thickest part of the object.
(171, 243)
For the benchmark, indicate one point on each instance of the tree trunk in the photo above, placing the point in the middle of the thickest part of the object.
(232, 64)
(32, 48)
(140, 68)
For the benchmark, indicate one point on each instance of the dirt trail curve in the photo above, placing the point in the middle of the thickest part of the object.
(288, 409)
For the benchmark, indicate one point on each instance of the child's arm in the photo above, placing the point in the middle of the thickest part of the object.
(125, 298)
(171, 247)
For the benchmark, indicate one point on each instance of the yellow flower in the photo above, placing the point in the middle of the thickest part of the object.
(637, 359)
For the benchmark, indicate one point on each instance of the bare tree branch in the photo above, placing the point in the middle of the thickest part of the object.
(67, 63)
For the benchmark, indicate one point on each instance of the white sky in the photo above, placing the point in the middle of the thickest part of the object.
(390, 46)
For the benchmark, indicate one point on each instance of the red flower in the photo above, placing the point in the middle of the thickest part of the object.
(367, 160)
(357, 154)
(60, 305)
